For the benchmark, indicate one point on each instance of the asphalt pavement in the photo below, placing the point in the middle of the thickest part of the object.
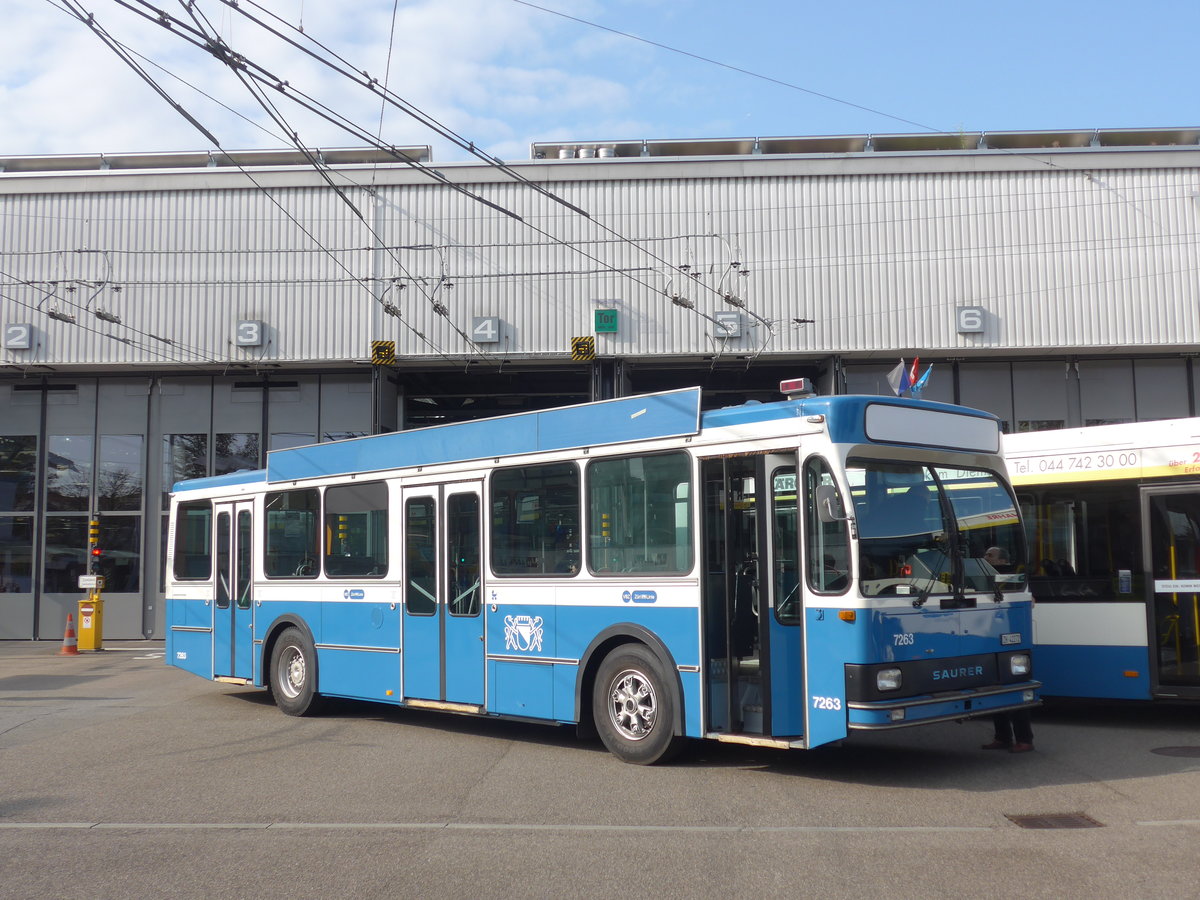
(123, 777)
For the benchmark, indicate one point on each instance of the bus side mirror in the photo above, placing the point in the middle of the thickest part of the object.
(829, 506)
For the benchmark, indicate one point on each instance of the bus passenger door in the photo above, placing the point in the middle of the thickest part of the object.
(443, 648)
(752, 657)
(233, 612)
(1172, 553)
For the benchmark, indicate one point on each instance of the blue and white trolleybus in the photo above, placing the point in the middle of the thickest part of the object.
(778, 574)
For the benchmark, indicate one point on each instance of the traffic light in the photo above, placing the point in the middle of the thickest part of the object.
(93, 545)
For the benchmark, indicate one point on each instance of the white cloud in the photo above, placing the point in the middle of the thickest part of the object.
(498, 72)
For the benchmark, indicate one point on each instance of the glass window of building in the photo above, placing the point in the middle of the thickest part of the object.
(1105, 391)
(120, 560)
(119, 475)
(1040, 395)
(16, 554)
(184, 456)
(69, 472)
(987, 386)
(18, 472)
(235, 451)
(66, 553)
(1160, 389)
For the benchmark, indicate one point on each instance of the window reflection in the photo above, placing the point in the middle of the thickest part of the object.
(236, 451)
(68, 472)
(18, 471)
(121, 561)
(16, 554)
(120, 476)
(66, 553)
(184, 456)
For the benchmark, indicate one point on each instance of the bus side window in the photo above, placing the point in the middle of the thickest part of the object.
(827, 543)
(535, 519)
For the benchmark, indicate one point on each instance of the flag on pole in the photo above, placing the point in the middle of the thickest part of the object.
(899, 379)
(912, 374)
(919, 384)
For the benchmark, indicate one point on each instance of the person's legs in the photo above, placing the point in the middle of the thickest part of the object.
(1022, 728)
(1002, 729)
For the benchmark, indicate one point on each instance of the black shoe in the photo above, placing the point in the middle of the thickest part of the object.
(996, 745)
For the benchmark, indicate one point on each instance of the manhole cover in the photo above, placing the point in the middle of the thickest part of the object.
(1056, 820)
(1177, 751)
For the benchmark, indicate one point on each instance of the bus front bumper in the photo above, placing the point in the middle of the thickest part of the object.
(945, 706)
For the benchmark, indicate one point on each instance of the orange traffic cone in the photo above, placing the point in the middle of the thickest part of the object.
(70, 646)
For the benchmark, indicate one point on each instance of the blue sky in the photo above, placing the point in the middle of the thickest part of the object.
(504, 74)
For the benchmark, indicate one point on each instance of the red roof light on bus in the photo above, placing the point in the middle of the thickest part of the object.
(794, 388)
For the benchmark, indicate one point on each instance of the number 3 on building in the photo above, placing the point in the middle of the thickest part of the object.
(249, 333)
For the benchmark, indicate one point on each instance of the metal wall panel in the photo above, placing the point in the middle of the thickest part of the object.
(1089, 249)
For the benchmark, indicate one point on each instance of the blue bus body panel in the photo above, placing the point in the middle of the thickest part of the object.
(246, 476)
(464, 659)
(554, 640)
(670, 414)
(845, 414)
(787, 679)
(949, 633)
(189, 637)
(831, 644)
(884, 636)
(1093, 671)
(359, 673)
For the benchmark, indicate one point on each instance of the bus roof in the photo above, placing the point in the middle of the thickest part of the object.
(853, 419)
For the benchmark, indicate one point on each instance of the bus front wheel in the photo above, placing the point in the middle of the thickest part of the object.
(633, 706)
(294, 673)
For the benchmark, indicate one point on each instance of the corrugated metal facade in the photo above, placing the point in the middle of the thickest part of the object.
(1090, 249)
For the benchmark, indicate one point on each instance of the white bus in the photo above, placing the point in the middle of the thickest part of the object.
(1112, 514)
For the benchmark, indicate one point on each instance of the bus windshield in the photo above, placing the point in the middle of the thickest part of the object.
(937, 532)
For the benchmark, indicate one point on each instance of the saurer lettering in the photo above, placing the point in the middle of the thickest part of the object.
(960, 672)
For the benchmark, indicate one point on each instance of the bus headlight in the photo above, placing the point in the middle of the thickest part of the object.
(888, 680)
(1018, 664)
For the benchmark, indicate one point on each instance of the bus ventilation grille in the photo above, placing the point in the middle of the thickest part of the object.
(1056, 820)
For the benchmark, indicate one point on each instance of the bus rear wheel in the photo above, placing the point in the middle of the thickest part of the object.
(634, 705)
(294, 673)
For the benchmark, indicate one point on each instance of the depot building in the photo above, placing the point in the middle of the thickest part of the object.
(170, 316)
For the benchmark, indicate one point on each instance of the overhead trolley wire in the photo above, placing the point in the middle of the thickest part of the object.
(89, 20)
(363, 79)
(205, 27)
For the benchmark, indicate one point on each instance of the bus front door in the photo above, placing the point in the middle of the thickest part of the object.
(752, 653)
(443, 647)
(1172, 554)
(233, 611)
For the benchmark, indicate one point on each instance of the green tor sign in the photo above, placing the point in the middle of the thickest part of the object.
(606, 321)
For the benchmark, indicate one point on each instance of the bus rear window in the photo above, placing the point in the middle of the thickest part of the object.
(193, 540)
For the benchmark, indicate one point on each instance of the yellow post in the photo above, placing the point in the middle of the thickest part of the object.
(91, 618)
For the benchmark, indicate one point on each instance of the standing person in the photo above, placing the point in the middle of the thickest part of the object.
(1013, 732)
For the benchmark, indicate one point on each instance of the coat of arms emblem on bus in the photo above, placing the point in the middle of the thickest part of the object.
(523, 633)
